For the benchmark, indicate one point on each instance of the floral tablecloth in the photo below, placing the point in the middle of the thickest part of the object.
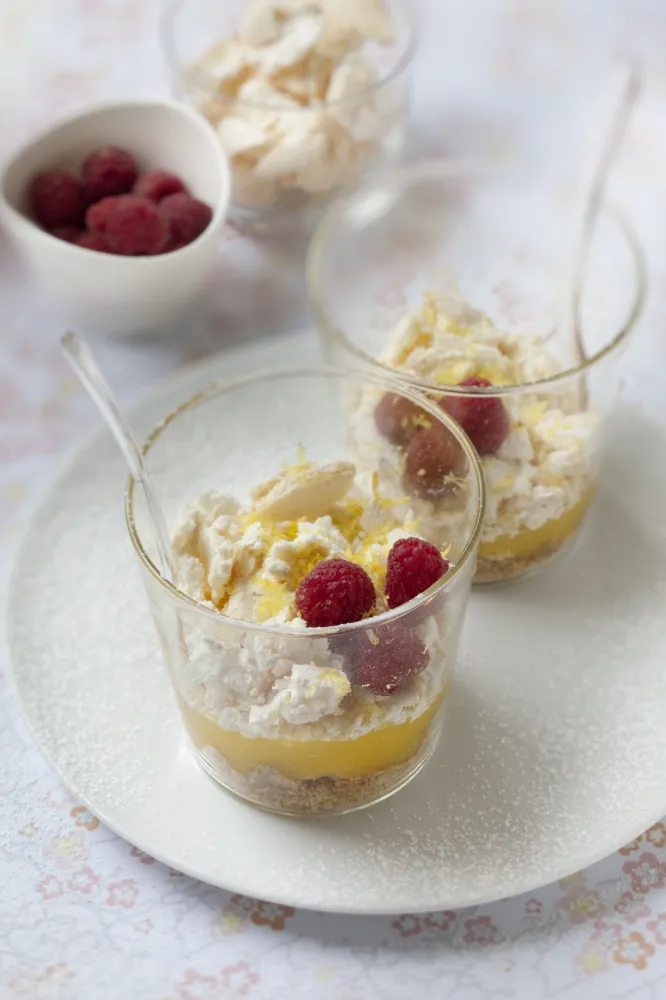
(83, 915)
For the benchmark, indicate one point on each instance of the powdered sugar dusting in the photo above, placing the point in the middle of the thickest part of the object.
(554, 745)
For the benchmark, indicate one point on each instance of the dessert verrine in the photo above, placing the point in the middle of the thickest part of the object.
(310, 630)
(299, 723)
(538, 449)
(501, 238)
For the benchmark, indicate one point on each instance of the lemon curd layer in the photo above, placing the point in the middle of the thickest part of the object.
(525, 544)
(301, 759)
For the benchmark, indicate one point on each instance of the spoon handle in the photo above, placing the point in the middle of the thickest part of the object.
(81, 358)
(619, 96)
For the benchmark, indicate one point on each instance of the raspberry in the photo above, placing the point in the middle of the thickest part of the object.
(97, 215)
(186, 217)
(432, 461)
(384, 667)
(106, 172)
(346, 644)
(70, 234)
(412, 566)
(398, 418)
(94, 241)
(57, 199)
(157, 184)
(484, 419)
(334, 593)
(133, 227)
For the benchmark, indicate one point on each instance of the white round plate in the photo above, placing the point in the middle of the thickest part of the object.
(554, 753)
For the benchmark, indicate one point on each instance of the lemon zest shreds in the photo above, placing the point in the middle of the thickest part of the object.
(273, 599)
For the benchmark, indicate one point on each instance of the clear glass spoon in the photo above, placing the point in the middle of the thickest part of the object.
(81, 359)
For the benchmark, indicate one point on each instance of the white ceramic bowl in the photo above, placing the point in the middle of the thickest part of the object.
(106, 293)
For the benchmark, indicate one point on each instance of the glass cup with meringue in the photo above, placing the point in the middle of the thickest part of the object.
(305, 97)
(450, 278)
(311, 628)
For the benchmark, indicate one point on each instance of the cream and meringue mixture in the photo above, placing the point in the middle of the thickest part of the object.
(547, 463)
(296, 100)
(246, 562)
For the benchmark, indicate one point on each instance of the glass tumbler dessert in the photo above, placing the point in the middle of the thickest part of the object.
(312, 630)
(451, 279)
(305, 98)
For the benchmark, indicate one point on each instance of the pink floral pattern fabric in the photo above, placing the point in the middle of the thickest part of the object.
(85, 916)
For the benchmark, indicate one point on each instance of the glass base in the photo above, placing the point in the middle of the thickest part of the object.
(533, 550)
(490, 571)
(266, 788)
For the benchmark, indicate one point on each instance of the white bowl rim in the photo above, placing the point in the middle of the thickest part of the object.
(220, 210)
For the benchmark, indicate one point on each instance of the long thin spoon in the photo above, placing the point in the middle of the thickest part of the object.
(81, 359)
(611, 120)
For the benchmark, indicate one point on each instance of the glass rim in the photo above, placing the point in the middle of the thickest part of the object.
(207, 82)
(430, 170)
(175, 595)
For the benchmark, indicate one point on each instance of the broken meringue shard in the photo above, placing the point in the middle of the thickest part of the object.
(306, 491)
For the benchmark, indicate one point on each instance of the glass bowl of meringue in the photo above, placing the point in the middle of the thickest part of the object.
(307, 96)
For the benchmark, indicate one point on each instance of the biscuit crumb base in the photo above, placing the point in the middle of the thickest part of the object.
(512, 567)
(267, 788)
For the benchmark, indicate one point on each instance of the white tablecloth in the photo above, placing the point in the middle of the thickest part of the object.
(83, 914)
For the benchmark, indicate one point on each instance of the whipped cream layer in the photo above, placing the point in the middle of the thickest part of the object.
(295, 688)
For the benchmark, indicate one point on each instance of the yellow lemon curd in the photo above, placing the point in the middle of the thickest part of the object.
(525, 544)
(300, 758)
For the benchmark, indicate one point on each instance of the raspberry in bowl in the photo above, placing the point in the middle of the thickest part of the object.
(310, 633)
(449, 278)
(90, 205)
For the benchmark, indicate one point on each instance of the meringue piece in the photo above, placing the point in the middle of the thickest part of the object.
(319, 538)
(338, 40)
(192, 578)
(369, 18)
(251, 191)
(251, 550)
(260, 25)
(307, 695)
(517, 447)
(295, 151)
(240, 135)
(342, 165)
(287, 8)
(241, 605)
(265, 96)
(218, 555)
(228, 61)
(309, 493)
(352, 76)
(362, 122)
(299, 37)
(196, 517)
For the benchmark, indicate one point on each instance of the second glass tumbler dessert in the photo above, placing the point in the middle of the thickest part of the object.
(449, 278)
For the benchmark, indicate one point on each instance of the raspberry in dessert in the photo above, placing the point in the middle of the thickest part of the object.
(123, 211)
(537, 448)
(296, 98)
(291, 718)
